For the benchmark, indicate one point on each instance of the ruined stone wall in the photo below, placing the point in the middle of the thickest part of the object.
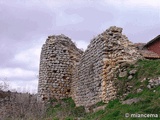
(87, 77)
(58, 58)
(95, 74)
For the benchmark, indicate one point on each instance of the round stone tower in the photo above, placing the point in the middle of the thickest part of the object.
(59, 56)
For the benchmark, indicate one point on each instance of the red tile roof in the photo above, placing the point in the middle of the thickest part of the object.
(149, 54)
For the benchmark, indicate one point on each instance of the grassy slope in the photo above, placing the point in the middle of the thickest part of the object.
(149, 104)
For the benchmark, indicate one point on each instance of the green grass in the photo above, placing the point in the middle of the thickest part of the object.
(149, 101)
(145, 69)
(101, 103)
(149, 104)
(65, 109)
(148, 68)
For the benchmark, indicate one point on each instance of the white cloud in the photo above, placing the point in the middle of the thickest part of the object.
(29, 57)
(149, 3)
(134, 3)
(63, 19)
(22, 86)
(81, 44)
(19, 79)
(16, 72)
(56, 4)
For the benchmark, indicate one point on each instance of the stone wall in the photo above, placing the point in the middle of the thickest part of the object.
(87, 77)
(58, 58)
(95, 74)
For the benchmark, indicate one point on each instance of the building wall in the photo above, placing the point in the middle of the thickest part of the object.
(155, 46)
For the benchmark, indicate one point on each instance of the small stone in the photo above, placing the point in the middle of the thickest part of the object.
(130, 86)
(130, 101)
(139, 90)
(130, 77)
(143, 80)
(132, 72)
(123, 74)
(141, 85)
(150, 81)
(99, 108)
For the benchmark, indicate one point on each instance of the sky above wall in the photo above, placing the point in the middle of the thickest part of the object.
(25, 25)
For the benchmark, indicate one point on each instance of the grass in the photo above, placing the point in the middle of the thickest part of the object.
(114, 110)
(65, 109)
(146, 69)
(149, 101)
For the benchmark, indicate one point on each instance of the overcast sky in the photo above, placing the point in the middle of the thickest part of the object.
(25, 25)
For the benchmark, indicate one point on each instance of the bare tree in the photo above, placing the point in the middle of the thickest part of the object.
(4, 86)
(18, 106)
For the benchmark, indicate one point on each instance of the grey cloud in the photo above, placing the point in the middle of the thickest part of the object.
(21, 26)
(141, 25)
(20, 23)
(74, 34)
(29, 78)
(93, 17)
